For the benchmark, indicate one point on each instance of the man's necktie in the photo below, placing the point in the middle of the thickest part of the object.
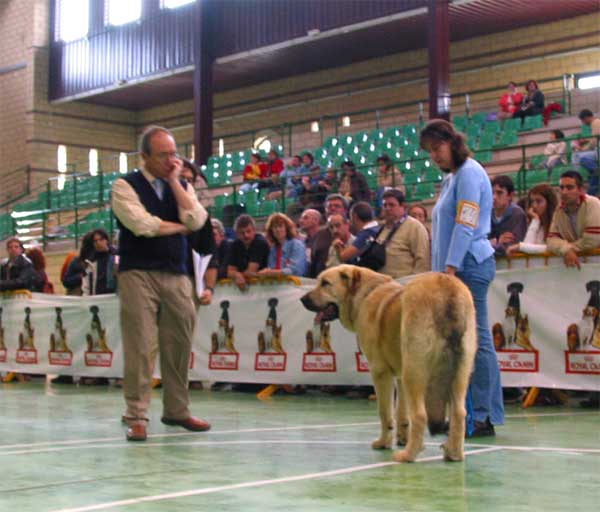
(159, 187)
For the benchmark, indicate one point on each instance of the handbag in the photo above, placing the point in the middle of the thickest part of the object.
(373, 255)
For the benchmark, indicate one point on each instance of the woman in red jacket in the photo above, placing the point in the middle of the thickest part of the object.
(510, 102)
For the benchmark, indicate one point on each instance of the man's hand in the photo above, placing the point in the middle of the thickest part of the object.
(512, 249)
(175, 170)
(206, 297)
(450, 270)
(506, 238)
(240, 281)
(572, 260)
(337, 244)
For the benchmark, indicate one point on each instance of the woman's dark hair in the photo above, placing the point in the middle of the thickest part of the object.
(384, 159)
(309, 156)
(558, 134)
(440, 130)
(547, 192)
(512, 83)
(87, 250)
(531, 82)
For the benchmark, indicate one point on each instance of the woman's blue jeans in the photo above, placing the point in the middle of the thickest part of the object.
(485, 388)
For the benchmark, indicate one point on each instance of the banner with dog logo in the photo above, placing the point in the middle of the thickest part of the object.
(545, 322)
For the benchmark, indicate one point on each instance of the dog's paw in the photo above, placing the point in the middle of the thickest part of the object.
(403, 456)
(452, 454)
(402, 436)
(381, 444)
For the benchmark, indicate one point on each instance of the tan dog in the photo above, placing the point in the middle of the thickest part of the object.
(421, 335)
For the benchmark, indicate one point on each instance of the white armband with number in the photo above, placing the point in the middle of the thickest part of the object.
(467, 213)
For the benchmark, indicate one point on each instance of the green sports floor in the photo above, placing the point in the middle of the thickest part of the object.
(63, 448)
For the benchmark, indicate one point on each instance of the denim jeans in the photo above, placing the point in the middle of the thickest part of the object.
(590, 163)
(485, 388)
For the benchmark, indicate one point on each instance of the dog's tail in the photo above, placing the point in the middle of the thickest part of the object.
(452, 330)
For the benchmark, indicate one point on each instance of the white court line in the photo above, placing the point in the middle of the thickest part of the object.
(258, 483)
(250, 430)
(181, 434)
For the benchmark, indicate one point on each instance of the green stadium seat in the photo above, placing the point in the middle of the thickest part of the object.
(534, 177)
(461, 122)
(513, 124)
(487, 140)
(537, 161)
(484, 157)
(507, 138)
(532, 123)
(479, 118)
(424, 191)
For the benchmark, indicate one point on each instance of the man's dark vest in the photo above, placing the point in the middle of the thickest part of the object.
(165, 253)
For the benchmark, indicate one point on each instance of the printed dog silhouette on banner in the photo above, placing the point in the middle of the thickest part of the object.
(583, 338)
(3, 353)
(98, 352)
(59, 353)
(512, 336)
(27, 353)
(585, 335)
(319, 355)
(223, 354)
(271, 356)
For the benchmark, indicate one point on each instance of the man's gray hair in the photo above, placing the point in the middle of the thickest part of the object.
(339, 197)
(146, 136)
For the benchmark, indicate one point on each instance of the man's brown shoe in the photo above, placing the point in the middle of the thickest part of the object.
(136, 432)
(191, 423)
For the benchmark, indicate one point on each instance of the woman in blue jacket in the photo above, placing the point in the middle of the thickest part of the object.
(460, 225)
(287, 256)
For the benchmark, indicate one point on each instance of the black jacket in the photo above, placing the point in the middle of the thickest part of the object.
(18, 276)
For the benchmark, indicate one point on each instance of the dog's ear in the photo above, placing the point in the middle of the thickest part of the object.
(351, 279)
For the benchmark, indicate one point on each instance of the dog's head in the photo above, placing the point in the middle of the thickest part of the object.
(590, 311)
(336, 290)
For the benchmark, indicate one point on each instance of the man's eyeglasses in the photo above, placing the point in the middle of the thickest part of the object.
(166, 156)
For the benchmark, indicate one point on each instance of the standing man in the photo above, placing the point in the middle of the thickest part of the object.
(17, 272)
(406, 239)
(156, 211)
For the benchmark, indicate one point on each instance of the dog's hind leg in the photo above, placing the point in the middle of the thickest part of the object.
(415, 388)
(454, 447)
(384, 388)
(401, 415)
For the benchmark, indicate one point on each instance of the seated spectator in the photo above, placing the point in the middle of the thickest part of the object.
(586, 153)
(533, 103)
(41, 283)
(101, 267)
(366, 228)
(73, 277)
(407, 249)
(223, 247)
(313, 192)
(509, 222)
(273, 169)
(330, 182)
(339, 226)
(388, 176)
(249, 252)
(16, 272)
(353, 185)
(556, 151)
(576, 222)
(419, 212)
(310, 224)
(289, 179)
(287, 256)
(510, 102)
(542, 204)
(253, 173)
(334, 204)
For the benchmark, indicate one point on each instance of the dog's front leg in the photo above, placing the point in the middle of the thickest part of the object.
(384, 388)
